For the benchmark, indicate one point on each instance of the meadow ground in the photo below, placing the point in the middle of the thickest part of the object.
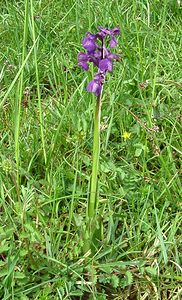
(46, 135)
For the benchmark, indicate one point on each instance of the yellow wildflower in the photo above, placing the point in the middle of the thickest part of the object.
(126, 135)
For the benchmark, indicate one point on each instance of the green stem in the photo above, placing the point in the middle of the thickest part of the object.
(38, 84)
(93, 200)
(19, 98)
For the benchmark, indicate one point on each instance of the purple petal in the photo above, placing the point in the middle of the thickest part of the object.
(98, 54)
(91, 36)
(116, 31)
(84, 65)
(113, 56)
(95, 58)
(101, 35)
(94, 87)
(105, 30)
(113, 42)
(105, 65)
(89, 42)
(82, 57)
(99, 77)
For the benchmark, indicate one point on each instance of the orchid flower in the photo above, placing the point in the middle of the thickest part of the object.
(99, 55)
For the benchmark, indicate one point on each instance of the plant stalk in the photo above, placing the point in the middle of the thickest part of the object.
(19, 98)
(38, 85)
(93, 199)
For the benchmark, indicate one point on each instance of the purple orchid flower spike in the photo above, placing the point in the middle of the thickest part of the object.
(99, 55)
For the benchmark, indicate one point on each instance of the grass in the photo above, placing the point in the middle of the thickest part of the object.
(46, 141)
